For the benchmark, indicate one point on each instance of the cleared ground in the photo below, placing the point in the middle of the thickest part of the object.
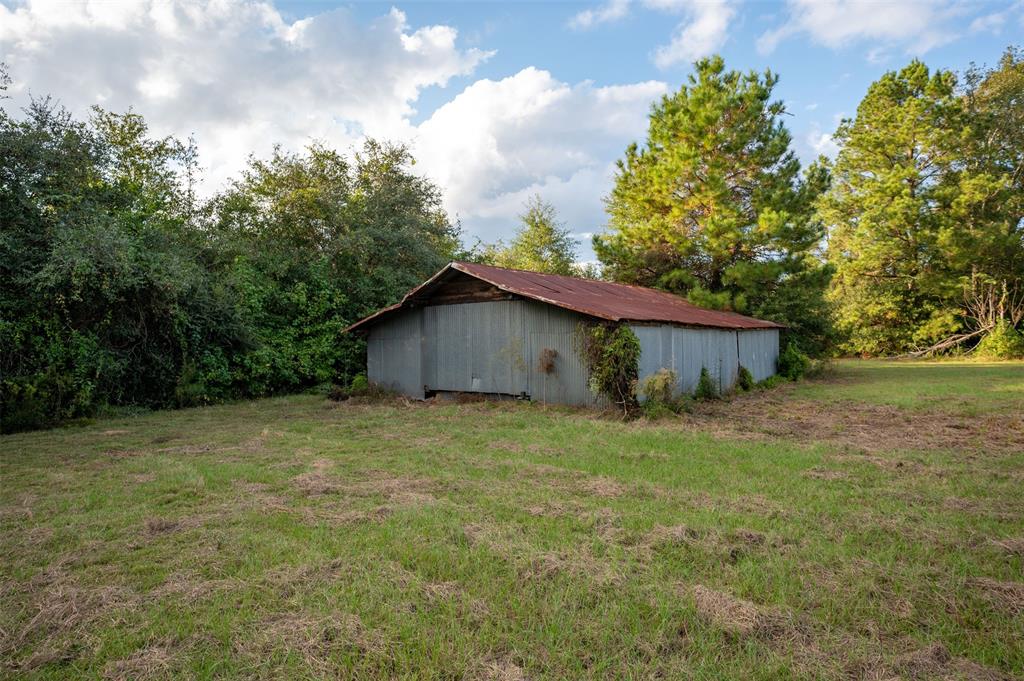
(868, 525)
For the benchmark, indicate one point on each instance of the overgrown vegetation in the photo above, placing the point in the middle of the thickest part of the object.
(744, 379)
(1002, 342)
(661, 394)
(792, 363)
(611, 353)
(707, 387)
(119, 287)
(871, 526)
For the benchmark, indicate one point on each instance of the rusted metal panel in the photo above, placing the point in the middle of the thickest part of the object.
(759, 351)
(599, 299)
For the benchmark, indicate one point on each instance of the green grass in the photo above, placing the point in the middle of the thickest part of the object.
(299, 538)
(967, 386)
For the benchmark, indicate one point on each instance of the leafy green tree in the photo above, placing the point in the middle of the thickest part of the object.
(312, 242)
(714, 206)
(542, 243)
(924, 203)
(104, 297)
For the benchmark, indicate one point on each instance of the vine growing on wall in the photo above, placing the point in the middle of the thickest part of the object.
(611, 353)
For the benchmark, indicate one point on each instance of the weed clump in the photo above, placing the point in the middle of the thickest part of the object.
(361, 388)
(661, 396)
(706, 388)
(745, 379)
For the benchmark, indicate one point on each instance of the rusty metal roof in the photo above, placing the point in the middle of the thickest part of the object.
(600, 299)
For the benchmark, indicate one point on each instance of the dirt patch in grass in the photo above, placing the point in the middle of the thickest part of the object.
(875, 428)
(825, 474)
(932, 662)
(402, 490)
(501, 670)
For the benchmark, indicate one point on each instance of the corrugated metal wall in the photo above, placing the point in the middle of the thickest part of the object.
(492, 347)
(495, 347)
(394, 353)
(759, 351)
(686, 350)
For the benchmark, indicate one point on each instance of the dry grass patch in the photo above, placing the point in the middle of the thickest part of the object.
(871, 427)
(314, 638)
(148, 663)
(1008, 596)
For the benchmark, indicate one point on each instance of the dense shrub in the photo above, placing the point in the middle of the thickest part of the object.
(359, 384)
(1002, 342)
(745, 379)
(706, 387)
(792, 363)
(118, 288)
(611, 354)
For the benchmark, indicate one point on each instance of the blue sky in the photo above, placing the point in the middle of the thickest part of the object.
(497, 100)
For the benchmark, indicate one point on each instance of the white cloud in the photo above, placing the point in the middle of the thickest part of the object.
(498, 142)
(235, 73)
(613, 10)
(914, 26)
(702, 32)
(241, 77)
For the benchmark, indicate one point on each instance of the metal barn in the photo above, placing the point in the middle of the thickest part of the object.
(475, 328)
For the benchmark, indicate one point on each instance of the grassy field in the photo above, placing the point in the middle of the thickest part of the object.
(865, 525)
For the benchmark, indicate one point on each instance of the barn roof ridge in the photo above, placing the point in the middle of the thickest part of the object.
(600, 299)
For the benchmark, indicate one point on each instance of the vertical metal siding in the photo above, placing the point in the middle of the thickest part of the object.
(394, 355)
(687, 350)
(549, 327)
(759, 351)
(495, 347)
(475, 347)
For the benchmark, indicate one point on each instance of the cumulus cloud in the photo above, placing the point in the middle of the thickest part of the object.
(703, 30)
(915, 26)
(241, 77)
(613, 10)
(703, 33)
(499, 141)
(236, 74)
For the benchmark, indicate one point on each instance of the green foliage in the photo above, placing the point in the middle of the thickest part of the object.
(359, 383)
(611, 354)
(1002, 342)
(721, 213)
(926, 195)
(745, 379)
(771, 382)
(793, 364)
(707, 389)
(661, 394)
(116, 288)
(542, 244)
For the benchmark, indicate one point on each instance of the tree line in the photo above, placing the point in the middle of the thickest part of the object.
(120, 286)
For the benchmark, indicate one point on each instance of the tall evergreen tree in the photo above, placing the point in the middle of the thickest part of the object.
(713, 205)
(924, 203)
(542, 243)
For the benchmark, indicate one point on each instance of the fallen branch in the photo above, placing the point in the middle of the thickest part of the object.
(945, 344)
